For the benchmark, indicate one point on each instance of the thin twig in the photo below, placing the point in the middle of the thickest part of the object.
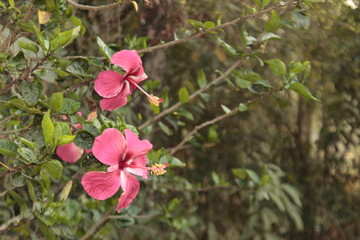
(6, 226)
(25, 74)
(107, 216)
(192, 96)
(7, 119)
(17, 221)
(77, 85)
(101, 221)
(17, 169)
(214, 29)
(12, 131)
(96, 8)
(204, 189)
(213, 121)
(285, 5)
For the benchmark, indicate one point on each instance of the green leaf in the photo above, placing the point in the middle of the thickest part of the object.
(293, 193)
(172, 161)
(18, 198)
(265, 3)
(165, 129)
(30, 92)
(226, 46)
(225, 109)
(269, 36)
(69, 106)
(84, 139)
(277, 200)
(277, 66)
(77, 22)
(31, 191)
(196, 24)
(19, 103)
(18, 180)
(57, 133)
(91, 128)
(186, 114)
(212, 134)
(215, 178)
(124, 222)
(11, 3)
(66, 191)
(79, 66)
(243, 107)
(242, 83)
(64, 39)
(183, 95)
(54, 168)
(263, 83)
(8, 148)
(226, 78)
(65, 139)
(274, 23)
(201, 78)
(27, 154)
(29, 46)
(174, 204)
(303, 90)
(104, 49)
(44, 44)
(239, 172)
(56, 101)
(248, 75)
(47, 232)
(252, 175)
(59, 72)
(50, 5)
(65, 129)
(209, 24)
(47, 128)
(28, 26)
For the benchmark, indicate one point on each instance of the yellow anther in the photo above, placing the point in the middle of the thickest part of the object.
(158, 169)
(155, 100)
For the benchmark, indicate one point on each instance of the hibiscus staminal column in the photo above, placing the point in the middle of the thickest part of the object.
(152, 99)
(158, 168)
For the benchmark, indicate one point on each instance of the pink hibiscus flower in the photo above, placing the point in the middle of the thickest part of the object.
(115, 88)
(125, 156)
(70, 152)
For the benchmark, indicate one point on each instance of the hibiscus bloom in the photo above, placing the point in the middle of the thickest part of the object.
(115, 88)
(70, 152)
(125, 156)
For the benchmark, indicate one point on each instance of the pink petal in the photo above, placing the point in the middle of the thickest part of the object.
(135, 146)
(101, 185)
(137, 77)
(138, 167)
(108, 84)
(69, 152)
(117, 101)
(131, 187)
(128, 60)
(109, 148)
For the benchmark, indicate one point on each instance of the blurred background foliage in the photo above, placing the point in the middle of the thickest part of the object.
(288, 168)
